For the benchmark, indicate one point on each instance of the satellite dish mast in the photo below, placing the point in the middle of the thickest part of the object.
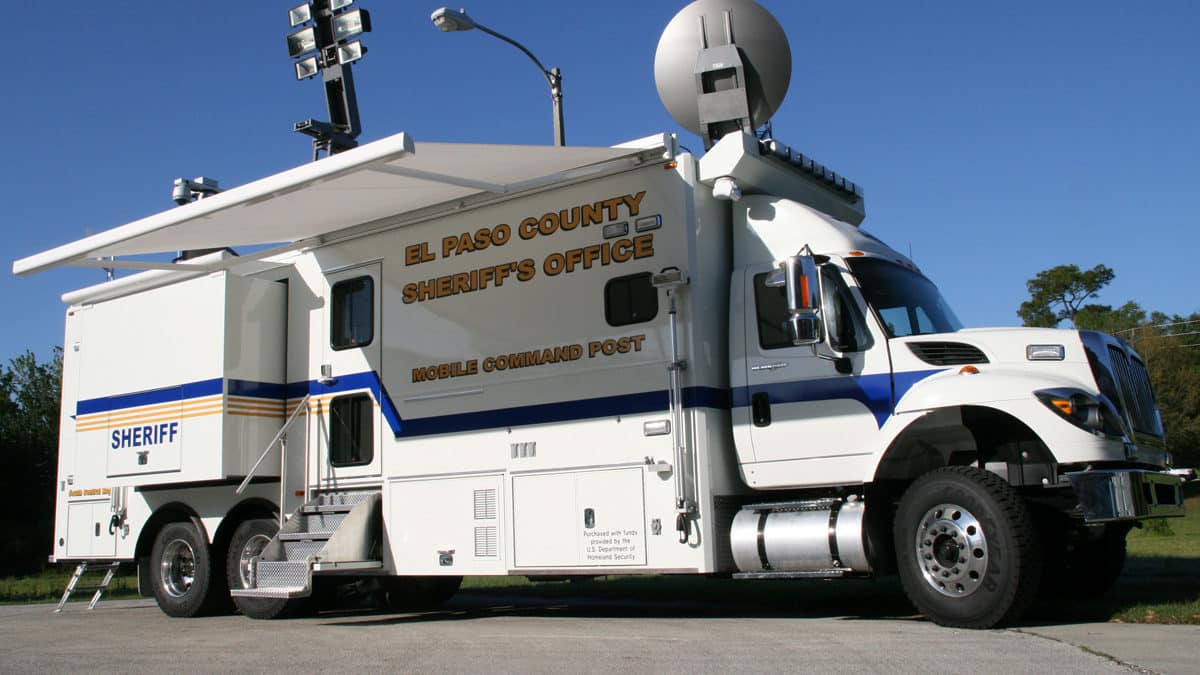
(722, 66)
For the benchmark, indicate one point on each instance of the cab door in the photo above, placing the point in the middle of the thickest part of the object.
(820, 407)
(349, 395)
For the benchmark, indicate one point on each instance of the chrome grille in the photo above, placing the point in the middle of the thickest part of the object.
(947, 353)
(1136, 393)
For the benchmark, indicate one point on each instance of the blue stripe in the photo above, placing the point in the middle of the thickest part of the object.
(873, 391)
(562, 411)
(150, 397)
(254, 389)
(368, 380)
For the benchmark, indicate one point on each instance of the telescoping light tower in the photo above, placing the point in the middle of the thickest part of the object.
(327, 45)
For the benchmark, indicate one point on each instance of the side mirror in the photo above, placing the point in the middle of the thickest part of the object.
(798, 276)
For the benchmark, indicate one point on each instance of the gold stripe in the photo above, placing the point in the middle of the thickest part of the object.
(260, 408)
(150, 410)
(191, 415)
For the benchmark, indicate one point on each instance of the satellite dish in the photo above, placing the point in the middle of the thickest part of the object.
(722, 65)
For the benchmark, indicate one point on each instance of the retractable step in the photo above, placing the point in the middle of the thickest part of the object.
(333, 532)
(110, 569)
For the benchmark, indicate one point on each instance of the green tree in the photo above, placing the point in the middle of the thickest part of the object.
(29, 413)
(1104, 318)
(1060, 293)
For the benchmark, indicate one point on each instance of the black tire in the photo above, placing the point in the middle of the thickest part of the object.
(966, 548)
(181, 572)
(1083, 561)
(413, 593)
(249, 539)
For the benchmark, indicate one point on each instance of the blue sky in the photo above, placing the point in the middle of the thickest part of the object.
(994, 140)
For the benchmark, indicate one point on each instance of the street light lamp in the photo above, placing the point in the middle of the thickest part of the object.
(448, 21)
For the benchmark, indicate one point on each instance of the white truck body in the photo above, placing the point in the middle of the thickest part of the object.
(555, 361)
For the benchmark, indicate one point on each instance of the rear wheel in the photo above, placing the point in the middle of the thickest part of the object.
(241, 568)
(181, 572)
(966, 548)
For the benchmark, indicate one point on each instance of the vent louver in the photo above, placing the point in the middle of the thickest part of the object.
(486, 542)
(485, 504)
(947, 353)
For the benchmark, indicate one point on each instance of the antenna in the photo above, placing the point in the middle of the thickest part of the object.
(722, 66)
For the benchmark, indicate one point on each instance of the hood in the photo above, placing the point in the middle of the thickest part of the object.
(975, 346)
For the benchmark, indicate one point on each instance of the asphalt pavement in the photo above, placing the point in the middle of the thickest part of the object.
(491, 634)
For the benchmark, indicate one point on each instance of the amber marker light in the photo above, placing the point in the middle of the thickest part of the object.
(670, 165)
(968, 370)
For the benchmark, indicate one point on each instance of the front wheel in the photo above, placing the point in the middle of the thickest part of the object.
(181, 572)
(966, 548)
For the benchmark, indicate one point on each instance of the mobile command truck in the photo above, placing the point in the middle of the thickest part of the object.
(558, 361)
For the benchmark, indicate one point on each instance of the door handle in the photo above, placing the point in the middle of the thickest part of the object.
(760, 409)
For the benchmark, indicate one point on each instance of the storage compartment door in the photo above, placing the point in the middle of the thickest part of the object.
(87, 530)
(584, 519)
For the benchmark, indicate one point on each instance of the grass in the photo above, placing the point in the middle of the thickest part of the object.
(1161, 581)
(49, 585)
(1160, 584)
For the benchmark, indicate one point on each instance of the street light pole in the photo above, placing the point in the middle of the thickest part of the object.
(448, 20)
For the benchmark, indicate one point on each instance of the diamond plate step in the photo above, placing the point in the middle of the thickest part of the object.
(293, 592)
(301, 550)
(282, 574)
(323, 522)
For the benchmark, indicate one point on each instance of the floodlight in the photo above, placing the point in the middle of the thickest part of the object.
(302, 42)
(306, 68)
(338, 4)
(448, 20)
(350, 52)
(349, 24)
(300, 14)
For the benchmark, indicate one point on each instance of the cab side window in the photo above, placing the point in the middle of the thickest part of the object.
(771, 306)
(844, 320)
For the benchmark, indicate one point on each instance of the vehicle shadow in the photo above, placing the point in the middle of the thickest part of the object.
(1147, 582)
(661, 597)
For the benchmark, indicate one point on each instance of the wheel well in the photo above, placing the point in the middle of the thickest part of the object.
(174, 512)
(960, 436)
(251, 508)
(177, 512)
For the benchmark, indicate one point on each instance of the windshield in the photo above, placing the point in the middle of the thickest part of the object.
(906, 302)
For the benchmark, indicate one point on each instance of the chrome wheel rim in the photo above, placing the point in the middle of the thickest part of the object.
(178, 568)
(248, 560)
(951, 550)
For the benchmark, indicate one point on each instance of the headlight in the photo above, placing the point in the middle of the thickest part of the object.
(1083, 410)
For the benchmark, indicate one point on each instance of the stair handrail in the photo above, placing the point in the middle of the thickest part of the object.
(302, 407)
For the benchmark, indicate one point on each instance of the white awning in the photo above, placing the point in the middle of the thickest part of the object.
(358, 187)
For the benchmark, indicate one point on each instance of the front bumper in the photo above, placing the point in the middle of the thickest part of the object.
(1127, 494)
